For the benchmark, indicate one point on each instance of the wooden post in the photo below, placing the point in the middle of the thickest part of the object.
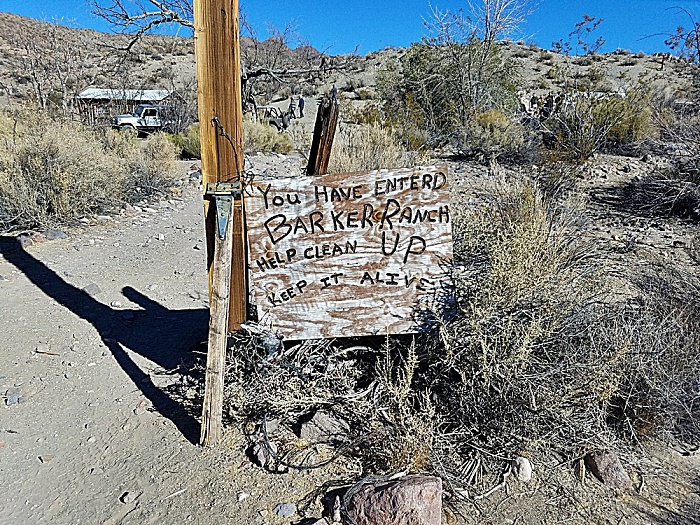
(217, 51)
(324, 132)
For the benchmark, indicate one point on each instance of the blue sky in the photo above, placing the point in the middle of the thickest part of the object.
(338, 27)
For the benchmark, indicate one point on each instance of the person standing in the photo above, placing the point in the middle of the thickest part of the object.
(334, 92)
(292, 106)
(301, 106)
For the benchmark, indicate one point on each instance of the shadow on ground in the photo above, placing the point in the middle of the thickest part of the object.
(161, 335)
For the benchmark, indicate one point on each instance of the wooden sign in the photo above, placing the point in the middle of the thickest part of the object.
(349, 254)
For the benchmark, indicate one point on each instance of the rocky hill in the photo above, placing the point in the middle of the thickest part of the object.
(92, 59)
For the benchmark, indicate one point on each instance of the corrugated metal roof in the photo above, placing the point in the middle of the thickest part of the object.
(140, 95)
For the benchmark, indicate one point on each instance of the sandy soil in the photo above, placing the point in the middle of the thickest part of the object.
(92, 331)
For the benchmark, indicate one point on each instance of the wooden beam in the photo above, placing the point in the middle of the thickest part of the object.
(217, 50)
(324, 132)
(212, 409)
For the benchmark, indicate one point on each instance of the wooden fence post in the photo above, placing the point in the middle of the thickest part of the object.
(217, 51)
(324, 132)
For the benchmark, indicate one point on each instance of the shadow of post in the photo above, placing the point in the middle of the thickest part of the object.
(154, 332)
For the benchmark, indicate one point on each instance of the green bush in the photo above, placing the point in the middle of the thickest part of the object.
(435, 88)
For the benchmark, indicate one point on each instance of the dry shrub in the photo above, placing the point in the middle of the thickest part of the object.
(53, 173)
(151, 169)
(187, 142)
(259, 137)
(369, 147)
(494, 135)
(587, 123)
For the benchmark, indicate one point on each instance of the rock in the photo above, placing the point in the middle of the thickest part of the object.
(115, 304)
(24, 240)
(285, 510)
(411, 500)
(3, 278)
(242, 496)
(12, 396)
(521, 469)
(264, 455)
(38, 237)
(53, 235)
(45, 458)
(129, 497)
(197, 247)
(325, 428)
(606, 466)
(92, 289)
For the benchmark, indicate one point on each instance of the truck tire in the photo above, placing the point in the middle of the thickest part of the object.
(129, 130)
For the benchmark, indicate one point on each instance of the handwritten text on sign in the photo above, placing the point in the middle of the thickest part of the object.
(347, 254)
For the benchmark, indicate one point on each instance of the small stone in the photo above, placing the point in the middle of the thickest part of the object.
(197, 246)
(242, 496)
(45, 458)
(285, 510)
(12, 396)
(42, 348)
(91, 439)
(139, 410)
(606, 466)
(53, 235)
(24, 240)
(3, 278)
(161, 237)
(38, 237)
(115, 304)
(521, 469)
(84, 220)
(92, 289)
(129, 497)
(263, 453)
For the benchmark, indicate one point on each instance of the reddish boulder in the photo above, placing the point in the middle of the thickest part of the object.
(411, 500)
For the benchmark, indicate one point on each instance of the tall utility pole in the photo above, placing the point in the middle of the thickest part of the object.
(217, 51)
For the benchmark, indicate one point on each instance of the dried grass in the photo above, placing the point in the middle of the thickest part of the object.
(370, 147)
(53, 173)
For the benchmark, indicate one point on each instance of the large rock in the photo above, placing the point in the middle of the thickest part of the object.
(606, 466)
(412, 500)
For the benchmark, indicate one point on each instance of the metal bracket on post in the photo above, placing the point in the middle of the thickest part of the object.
(223, 193)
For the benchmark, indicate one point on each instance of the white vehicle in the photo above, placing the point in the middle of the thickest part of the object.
(147, 118)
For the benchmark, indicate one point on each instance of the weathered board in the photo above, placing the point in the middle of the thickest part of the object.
(349, 254)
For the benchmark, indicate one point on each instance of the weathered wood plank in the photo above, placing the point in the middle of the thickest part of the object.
(324, 133)
(348, 254)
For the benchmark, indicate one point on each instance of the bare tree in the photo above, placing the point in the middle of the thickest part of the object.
(137, 17)
(264, 63)
(56, 66)
(685, 42)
